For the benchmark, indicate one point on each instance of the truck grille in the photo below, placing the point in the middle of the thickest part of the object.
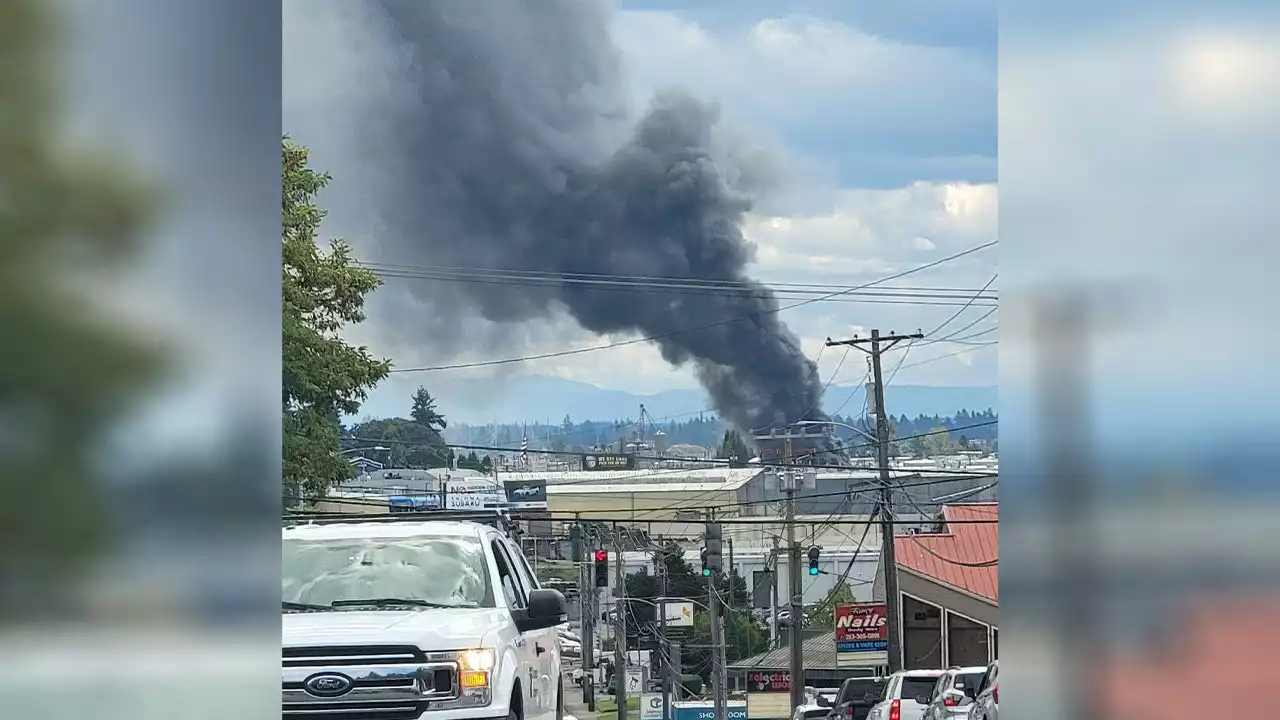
(384, 682)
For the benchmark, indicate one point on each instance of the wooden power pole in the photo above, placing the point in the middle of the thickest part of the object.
(881, 344)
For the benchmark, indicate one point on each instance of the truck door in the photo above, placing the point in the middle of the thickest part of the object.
(546, 644)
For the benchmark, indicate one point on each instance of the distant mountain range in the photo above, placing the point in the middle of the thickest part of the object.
(537, 398)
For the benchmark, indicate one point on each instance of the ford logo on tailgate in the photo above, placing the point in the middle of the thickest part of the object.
(328, 685)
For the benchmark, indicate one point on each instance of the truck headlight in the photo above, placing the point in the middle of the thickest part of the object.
(478, 660)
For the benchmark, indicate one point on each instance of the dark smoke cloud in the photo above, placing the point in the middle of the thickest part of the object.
(501, 141)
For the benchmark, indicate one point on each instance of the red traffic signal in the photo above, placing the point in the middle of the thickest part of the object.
(601, 556)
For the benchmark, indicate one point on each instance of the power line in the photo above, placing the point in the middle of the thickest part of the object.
(591, 517)
(966, 306)
(983, 564)
(659, 336)
(640, 283)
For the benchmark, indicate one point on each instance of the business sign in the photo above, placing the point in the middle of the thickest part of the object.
(679, 614)
(768, 681)
(608, 462)
(635, 681)
(707, 711)
(471, 493)
(862, 635)
(651, 706)
(526, 494)
(862, 627)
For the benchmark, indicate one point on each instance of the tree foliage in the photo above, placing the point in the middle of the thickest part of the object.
(734, 448)
(408, 444)
(323, 292)
(710, 432)
(744, 636)
(424, 411)
(823, 616)
(70, 372)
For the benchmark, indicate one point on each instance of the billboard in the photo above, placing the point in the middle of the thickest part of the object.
(861, 634)
(526, 494)
(608, 461)
(471, 493)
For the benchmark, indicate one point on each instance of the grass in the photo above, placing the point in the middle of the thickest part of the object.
(607, 708)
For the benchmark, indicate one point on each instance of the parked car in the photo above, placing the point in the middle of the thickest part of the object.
(987, 704)
(901, 693)
(954, 693)
(855, 698)
(810, 712)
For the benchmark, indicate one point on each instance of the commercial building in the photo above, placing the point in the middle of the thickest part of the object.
(949, 589)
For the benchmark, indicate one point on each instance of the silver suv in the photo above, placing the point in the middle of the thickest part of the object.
(987, 705)
(900, 698)
(954, 693)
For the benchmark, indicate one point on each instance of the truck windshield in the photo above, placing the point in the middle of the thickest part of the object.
(448, 571)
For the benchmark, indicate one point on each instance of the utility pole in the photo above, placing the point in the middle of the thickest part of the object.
(662, 635)
(586, 610)
(717, 642)
(713, 564)
(733, 572)
(620, 625)
(893, 599)
(788, 481)
(773, 606)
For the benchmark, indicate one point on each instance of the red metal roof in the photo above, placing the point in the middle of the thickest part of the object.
(1224, 656)
(948, 557)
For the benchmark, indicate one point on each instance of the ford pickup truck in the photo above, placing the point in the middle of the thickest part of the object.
(417, 619)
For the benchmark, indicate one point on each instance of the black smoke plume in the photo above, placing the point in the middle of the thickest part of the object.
(501, 140)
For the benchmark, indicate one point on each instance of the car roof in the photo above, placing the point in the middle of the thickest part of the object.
(922, 673)
(970, 669)
(356, 529)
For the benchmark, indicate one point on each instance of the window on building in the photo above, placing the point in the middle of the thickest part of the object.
(966, 642)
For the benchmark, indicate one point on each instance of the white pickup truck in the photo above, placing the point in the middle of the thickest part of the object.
(416, 619)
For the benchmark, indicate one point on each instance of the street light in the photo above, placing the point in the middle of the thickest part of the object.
(860, 431)
(362, 449)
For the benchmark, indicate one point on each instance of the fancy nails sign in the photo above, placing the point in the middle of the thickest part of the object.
(862, 627)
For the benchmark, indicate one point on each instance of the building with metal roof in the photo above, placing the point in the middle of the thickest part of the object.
(948, 582)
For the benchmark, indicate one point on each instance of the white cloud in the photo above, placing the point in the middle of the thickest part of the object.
(1137, 161)
(877, 232)
(781, 70)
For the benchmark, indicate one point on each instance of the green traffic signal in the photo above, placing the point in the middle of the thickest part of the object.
(706, 572)
(813, 571)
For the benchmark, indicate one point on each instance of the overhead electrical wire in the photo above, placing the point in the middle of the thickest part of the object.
(659, 336)
(638, 283)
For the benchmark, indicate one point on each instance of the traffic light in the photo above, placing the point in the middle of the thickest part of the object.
(602, 568)
(711, 560)
(813, 561)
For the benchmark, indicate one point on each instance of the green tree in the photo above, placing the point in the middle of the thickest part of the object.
(745, 637)
(424, 411)
(734, 448)
(70, 373)
(322, 293)
(823, 615)
(937, 442)
(409, 444)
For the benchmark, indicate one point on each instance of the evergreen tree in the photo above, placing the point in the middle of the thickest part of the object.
(424, 411)
(323, 292)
